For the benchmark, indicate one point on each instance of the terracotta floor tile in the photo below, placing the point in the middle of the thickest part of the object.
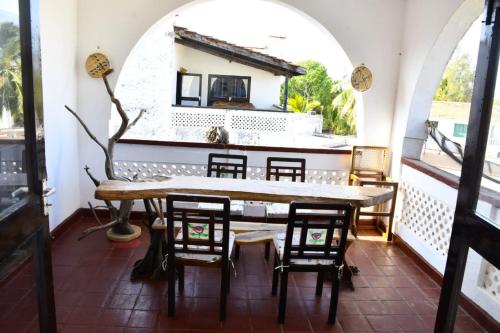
(391, 270)
(423, 307)
(149, 302)
(139, 318)
(387, 294)
(383, 323)
(84, 316)
(265, 323)
(127, 287)
(360, 294)
(382, 261)
(355, 324)
(94, 294)
(93, 300)
(205, 289)
(114, 317)
(412, 294)
(397, 307)
(320, 324)
(372, 308)
(409, 323)
(120, 301)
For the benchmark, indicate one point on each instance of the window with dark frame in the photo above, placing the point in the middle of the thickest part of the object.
(188, 90)
(228, 88)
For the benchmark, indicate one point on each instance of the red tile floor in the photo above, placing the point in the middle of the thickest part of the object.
(93, 294)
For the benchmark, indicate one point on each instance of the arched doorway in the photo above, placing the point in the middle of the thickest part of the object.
(151, 66)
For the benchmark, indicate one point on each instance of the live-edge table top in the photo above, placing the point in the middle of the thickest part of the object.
(244, 189)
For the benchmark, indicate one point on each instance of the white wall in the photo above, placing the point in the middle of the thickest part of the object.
(372, 38)
(264, 86)
(432, 30)
(58, 44)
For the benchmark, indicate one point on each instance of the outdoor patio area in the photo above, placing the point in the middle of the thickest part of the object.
(94, 294)
(249, 166)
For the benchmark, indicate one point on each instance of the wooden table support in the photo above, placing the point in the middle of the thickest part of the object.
(151, 265)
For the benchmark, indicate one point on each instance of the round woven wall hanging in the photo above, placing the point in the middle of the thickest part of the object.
(361, 78)
(97, 65)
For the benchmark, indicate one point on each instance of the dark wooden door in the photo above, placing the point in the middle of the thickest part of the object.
(471, 230)
(23, 219)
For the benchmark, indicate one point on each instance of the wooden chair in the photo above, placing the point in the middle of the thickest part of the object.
(277, 168)
(369, 168)
(227, 164)
(294, 168)
(315, 241)
(203, 240)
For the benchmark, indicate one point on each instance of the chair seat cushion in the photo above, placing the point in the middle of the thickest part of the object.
(279, 244)
(204, 258)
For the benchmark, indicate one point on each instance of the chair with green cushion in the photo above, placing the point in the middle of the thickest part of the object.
(315, 241)
(204, 239)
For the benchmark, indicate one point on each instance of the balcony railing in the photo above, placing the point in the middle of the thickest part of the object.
(247, 127)
(427, 202)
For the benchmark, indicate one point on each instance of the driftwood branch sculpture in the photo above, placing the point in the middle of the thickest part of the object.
(119, 216)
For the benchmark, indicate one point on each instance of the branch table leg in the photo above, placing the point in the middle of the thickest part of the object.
(151, 265)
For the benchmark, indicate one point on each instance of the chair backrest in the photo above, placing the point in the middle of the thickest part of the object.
(221, 164)
(198, 225)
(284, 167)
(369, 162)
(317, 224)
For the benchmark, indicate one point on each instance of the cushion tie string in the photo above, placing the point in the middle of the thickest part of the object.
(340, 270)
(280, 267)
(164, 263)
(234, 268)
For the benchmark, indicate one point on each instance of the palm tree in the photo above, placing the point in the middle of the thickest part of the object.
(300, 104)
(11, 93)
(345, 104)
(339, 117)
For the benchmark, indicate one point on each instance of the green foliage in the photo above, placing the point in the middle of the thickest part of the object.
(317, 91)
(300, 104)
(316, 85)
(456, 84)
(11, 93)
(340, 116)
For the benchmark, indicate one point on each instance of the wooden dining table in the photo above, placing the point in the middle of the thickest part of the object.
(244, 189)
(235, 189)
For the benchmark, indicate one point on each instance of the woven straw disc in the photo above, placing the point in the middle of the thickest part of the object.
(361, 78)
(97, 65)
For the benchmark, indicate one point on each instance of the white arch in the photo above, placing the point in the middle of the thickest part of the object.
(150, 60)
(432, 72)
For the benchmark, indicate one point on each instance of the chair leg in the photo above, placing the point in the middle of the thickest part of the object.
(275, 275)
(171, 291)
(334, 297)
(223, 290)
(267, 249)
(180, 270)
(319, 283)
(283, 293)
(237, 252)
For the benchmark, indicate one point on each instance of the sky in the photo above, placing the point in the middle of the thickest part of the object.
(250, 23)
(11, 6)
(469, 44)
